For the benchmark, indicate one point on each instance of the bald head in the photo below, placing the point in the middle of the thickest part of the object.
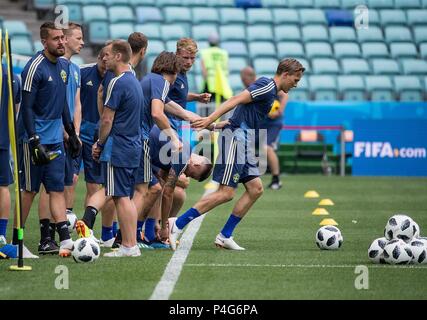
(248, 76)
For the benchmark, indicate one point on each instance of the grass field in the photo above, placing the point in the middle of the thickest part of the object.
(281, 260)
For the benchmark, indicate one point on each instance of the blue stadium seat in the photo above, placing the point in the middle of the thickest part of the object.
(194, 3)
(259, 33)
(351, 88)
(37, 46)
(403, 50)
(408, 88)
(259, 15)
(261, 49)
(75, 12)
(414, 66)
(417, 17)
(423, 51)
(202, 32)
(94, 13)
(312, 16)
(351, 4)
(374, 50)
(205, 15)
(265, 66)
(354, 66)
(155, 47)
(338, 34)
(325, 66)
(397, 33)
(99, 32)
(318, 50)
(315, 33)
(150, 30)
(232, 32)
(197, 67)
(148, 14)
(110, 3)
(407, 4)
(43, 4)
(221, 3)
(140, 3)
(327, 4)
(172, 32)
(380, 88)
(380, 4)
(121, 30)
(16, 28)
(392, 17)
(232, 15)
(372, 34)
(287, 33)
(424, 3)
(235, 82)
(121, 14)
(235, 64)
(92, 2)
(420, 34)
(323, 87)
(22, 45)
(300, 3)
(290, 49)
(235, 48)
(77, 60)
(177, 14)
(339, 17)
(273, 3)
(192, 85)
(347, 50)
(168, 3)
(285, 16)
(385, 66)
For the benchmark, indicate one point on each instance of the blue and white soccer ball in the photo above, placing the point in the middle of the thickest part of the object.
(86, 250)
(419, 250)
(398, 251)
(376, 250)
(329, 238)
(71, 222)
(401, 227)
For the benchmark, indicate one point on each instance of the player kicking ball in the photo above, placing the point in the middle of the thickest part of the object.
(236, 159)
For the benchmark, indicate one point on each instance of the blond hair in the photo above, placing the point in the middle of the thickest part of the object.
(186, 44)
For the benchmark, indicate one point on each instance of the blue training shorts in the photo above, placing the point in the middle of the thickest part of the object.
(144, 173)
(92, 169)
(6, 175)
(118, 181)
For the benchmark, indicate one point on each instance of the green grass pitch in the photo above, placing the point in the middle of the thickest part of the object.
(281, 260)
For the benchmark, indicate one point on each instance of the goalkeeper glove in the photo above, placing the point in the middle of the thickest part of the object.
(39, 153)
(74, 145)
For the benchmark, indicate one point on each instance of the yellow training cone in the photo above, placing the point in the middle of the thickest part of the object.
(311, 194)
(328, 222)
(326, 202)
(320, 212)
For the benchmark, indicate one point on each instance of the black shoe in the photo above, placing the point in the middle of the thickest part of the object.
(48, 247)
(116, 244)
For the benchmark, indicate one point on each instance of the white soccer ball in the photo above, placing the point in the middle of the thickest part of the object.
(419, 250)
(85, 250)
(71, 221)
(397, 251)
(401, 227)
(376, 250)
(329, 238)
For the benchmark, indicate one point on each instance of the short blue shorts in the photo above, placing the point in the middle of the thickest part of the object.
(92, 169)
(143, 173)
(6, 175)
(118, 181)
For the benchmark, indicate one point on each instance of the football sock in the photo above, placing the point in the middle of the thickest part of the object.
(139, 225)
(150, 225)
(107, 233)
(115, 228)
(63, 232)
(231, 223)
(3, 227)
(52, 230)
(275, 179)
(90, 216)
(186, 218)
(44, 230)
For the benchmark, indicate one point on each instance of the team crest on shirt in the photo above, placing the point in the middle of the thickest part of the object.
(236, 178)
(64, 76)
(76, 76)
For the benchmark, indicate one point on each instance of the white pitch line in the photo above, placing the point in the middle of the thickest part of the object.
(215, 265)
(173, 270)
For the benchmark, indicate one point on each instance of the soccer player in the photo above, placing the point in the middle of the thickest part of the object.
(6, 176)
(253, 106)
(119, 142)
(43, 116)
(74, 43)
(273, 125)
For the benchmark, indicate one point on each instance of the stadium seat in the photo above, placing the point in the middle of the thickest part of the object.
(110, 3)
(177, 14)
(121, 30)
(22, 45)
(290, 49)
(380, 4)
(265, 66)
(407, 4)
(172, 32)
(315, 33)
(194, 3)
(424, 3)
(374, 50)
(94, 13)
(312, 16)
(74, 11)
(385, 66)
(351, 88)
(339, 17)
(205, 15)
(300, 3)
(202, 32)
(232, 15)
(323, 87)
(380, 88)
(392, 17)
(318, 50)
(99, 32)
(347, 50)
(235, 48)
(306, 64)
(121, 14)
(301, 92)
(420, 34)
(16, 28)
(197, 67)
(351, 4)
(403, 50)
(416, 17)
(168, 3)
(148, 14)
(354, 66)
(89, 2)
(235, 82)
(338, 34)
(327, 4)
(325, 66)
(423, 51)
(155, 47)
(192, 85)
(232, 32)
(236, 64)
(287, 33)
(273, 3)
(262, 49)
(259, 33)
(397, 34)
(373, 15)
(372, 34)
(285, 16)
(43, 4)
(38, 46)
(259, 15)
(150, 30)
(408, 88)
(221, 3)
(140, 3)
(77, 60)
(170, 45)
(414, 66)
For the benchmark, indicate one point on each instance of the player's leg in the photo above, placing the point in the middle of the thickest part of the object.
(108, 214)
(273, 135)
(5, 180)
(85, 225)
(47, 243)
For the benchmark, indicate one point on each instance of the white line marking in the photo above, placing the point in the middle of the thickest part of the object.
(215, 265)
(173, 270)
